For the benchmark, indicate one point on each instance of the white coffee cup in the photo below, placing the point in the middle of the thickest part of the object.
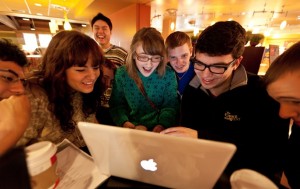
(41, 162)
(250, 179)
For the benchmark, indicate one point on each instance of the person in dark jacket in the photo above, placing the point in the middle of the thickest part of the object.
(282, 80)
(225, 103)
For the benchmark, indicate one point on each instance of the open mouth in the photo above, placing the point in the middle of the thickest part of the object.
(100, 36)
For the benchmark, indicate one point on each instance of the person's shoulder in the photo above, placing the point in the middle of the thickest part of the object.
(115, 47)
(255, 80)
(121, 71)
(34, 89)
(170, 70)
(121, 68)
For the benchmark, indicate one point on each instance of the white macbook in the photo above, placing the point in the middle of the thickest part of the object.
(158, 159)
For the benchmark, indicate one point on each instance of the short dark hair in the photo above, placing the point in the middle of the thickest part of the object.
(11, 52)
(101, 16)
(222, 38)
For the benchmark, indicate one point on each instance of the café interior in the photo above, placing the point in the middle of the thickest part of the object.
(32, 23)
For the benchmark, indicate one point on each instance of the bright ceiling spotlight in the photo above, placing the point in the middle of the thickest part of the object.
(67, 25)
(283, 24)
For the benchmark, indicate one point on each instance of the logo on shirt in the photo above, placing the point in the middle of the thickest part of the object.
(230, 117)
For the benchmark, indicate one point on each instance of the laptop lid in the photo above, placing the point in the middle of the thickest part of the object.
(163, 160)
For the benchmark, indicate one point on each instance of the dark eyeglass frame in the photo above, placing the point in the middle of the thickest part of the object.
(139, 58)
(224, 66)
(11, 80)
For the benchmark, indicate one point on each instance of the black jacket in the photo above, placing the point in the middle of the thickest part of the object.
(244, 115)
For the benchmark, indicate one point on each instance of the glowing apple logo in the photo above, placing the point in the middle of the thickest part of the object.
(149, 165)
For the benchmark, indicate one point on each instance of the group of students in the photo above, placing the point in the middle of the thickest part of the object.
(160, 87)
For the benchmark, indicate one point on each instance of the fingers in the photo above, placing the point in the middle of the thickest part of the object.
(158, 128)
(181, 132)
(141, 127)
(129, 125)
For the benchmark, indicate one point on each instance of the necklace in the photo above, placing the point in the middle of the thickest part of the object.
(180, 77)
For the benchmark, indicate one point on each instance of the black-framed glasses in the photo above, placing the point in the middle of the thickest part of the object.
(11, 77)
(144, 58)
(218, 68)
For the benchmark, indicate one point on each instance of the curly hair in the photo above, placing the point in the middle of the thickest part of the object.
(66, 49)
(222, 38)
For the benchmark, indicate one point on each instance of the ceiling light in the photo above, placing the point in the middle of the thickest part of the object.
(283, 24)
(53, 26)
(67, 25)
(32, 27)
(172, 11)
(172, 26)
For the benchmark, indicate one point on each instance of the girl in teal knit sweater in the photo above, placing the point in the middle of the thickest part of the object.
(144, 92)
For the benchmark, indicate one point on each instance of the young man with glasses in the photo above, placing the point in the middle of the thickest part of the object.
(14, 104)
(225, 103)
(14, 116)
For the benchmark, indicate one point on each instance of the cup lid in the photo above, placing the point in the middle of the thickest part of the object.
(250, 179)
(40, 152)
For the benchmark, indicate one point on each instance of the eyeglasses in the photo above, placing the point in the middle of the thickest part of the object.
(11, 77)
(155, 59)
(218, 68)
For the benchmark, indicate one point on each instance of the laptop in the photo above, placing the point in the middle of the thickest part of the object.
(157, 159)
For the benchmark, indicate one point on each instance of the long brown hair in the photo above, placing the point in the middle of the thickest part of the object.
(66, 49)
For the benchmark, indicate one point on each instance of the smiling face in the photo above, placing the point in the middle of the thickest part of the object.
(215, 83)
(102, 33)
(286, 91)
(83, 79)
(146, 68)
(179, 58)
(7, 86)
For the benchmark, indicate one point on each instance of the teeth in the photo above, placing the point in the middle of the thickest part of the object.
(88, 83)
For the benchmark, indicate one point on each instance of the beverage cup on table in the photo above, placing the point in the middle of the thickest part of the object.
(250, 179)
(42, 162)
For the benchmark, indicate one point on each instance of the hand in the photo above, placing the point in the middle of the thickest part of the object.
(141, 127)
(158, 128)
(14, 119)
(129, 125)
(181, 131)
